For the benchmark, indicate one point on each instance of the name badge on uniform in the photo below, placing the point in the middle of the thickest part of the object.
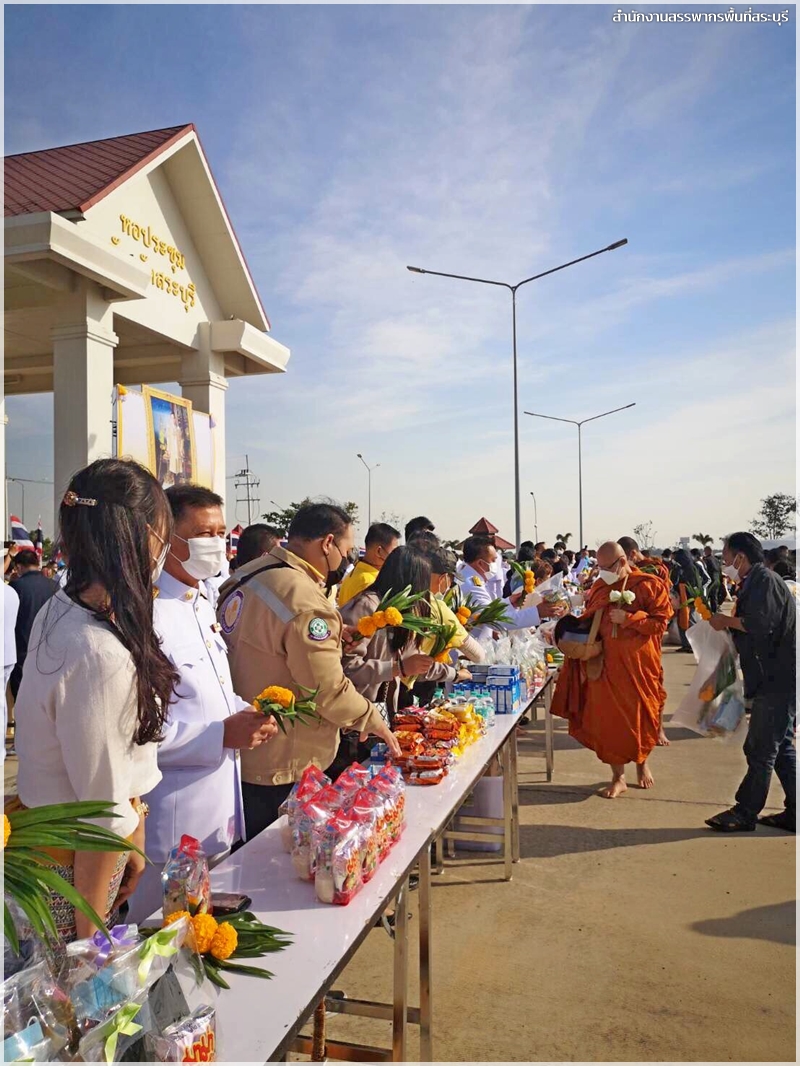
(318, 629)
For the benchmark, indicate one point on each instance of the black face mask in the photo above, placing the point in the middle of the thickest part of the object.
(335, 576)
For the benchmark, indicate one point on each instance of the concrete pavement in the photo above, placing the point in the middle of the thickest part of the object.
(630, 931)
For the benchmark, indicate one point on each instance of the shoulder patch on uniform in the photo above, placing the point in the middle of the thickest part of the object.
(231, 611)
(477, 581)
(318, 629)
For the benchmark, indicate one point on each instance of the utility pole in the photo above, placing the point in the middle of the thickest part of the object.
(246, 480)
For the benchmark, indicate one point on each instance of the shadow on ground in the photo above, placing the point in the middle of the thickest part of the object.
(532, 795)
(776, 922)
(549, 841)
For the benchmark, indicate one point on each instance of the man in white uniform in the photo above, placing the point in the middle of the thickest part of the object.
(479, 564)
(200, 792)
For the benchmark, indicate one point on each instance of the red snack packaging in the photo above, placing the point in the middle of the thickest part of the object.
(366, 810)
(311, 782)
(311, 814)
(337, 859)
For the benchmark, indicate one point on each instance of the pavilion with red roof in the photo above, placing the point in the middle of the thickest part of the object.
(122, 268)
(483, 527)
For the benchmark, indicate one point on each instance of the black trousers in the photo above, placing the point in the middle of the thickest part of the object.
(262, 806)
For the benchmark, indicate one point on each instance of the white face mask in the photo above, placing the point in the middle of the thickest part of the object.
(159, 566)
(611, 577)
(731, 572)
(206, 556)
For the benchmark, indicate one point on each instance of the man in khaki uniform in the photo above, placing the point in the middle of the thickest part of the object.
(282, 629)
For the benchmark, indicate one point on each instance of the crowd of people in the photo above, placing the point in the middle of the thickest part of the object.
(136, 675)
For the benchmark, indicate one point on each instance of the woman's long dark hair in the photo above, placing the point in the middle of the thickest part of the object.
(108, 543)
(687, 572)
(405, 566)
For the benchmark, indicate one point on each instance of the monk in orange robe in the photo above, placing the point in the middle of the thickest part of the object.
(650, 565)
(618, 715)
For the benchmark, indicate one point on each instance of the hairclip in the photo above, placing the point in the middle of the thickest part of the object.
(72, 499)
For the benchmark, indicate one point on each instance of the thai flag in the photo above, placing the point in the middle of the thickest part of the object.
(19, 534)
(38, 539)
(233, 540)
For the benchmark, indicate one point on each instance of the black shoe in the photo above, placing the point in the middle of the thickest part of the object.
(784, 820)
(730, 822)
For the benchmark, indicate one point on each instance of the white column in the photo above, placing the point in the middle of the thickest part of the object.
(83, 385)
(203, 382)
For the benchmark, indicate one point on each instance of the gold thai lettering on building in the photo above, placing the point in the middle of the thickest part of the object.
(151, 240)
(186, 293)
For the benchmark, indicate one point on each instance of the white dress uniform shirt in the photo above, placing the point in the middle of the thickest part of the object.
(10, 611)
(473, 584)
(200, 792)
(496, 578)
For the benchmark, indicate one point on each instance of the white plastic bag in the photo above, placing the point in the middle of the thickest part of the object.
(714, 704)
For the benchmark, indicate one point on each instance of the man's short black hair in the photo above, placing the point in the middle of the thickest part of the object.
(423, 539)
(560, 544)
(628, 544)
(475, 548)
(772, 555)
(667, 553)
(316, 520)
(747, 544)
(442, 560)
(185, 497)
(381, 535)
(27, 557)
(549, 555)
(255, 541)
(783, 568)
(696, 553)
(418, 525)
(708, 548)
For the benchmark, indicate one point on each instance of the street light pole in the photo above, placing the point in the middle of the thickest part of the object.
(513, 290)
(369, 486)
(573, 422)
(22, 482)
(535, 518)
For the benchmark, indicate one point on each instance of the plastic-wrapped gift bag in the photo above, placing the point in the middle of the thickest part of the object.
(191, 1039)
(714, 702)
(185, 881)
(37, 1009)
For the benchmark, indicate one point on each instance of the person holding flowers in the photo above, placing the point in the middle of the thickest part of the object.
(618, 714)
(282, 629)
(96, 688)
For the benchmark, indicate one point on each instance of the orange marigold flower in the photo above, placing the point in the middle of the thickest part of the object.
(530, 581)
(366, 626)
(284, 697)
(205, 928)
(224, 942)
(6, 829)
(176, 917)
(379, 618)
(443, 657)
(393, 616)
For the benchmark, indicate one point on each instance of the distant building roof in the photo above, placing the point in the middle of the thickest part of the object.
(76, 176)
(484, 526)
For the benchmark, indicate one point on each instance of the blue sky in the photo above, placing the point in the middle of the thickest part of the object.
(491, 141)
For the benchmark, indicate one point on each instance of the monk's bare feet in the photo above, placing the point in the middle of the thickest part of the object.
(663, 739)
(616, 788)
(644, 777)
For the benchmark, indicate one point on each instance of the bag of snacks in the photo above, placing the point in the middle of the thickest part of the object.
(38, 1018)
(311, 782)
(326, 802)
(193, 1039)
(365, 808)
(714, 702)
(337, 859)
(185, 882)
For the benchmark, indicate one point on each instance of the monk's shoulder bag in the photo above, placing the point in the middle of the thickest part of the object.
(586, 647)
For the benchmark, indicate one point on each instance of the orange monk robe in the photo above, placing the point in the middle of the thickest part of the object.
(617, 716)
(649, 565)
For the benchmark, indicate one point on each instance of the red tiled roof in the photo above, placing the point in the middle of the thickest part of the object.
(75, 177)
(483, 525)
(503, 544)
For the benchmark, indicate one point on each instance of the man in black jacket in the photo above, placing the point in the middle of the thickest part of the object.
(763, 630)
(34, 590)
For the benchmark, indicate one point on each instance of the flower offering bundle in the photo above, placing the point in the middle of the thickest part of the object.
(494, 614)
(523, 571)
(286, 708)
(396, 610)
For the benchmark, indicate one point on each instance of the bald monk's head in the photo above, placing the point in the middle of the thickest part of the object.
(631, 549)
(611, 558)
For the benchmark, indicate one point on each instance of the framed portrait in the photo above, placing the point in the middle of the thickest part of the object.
(170, 430)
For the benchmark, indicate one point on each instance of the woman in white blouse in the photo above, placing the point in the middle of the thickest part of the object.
(96, 685)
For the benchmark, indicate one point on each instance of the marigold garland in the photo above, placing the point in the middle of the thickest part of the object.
(204, 928)
(275, 694)
(225, 941)
(6, 830)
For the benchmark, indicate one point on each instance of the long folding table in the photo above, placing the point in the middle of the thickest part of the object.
(260, 1021)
